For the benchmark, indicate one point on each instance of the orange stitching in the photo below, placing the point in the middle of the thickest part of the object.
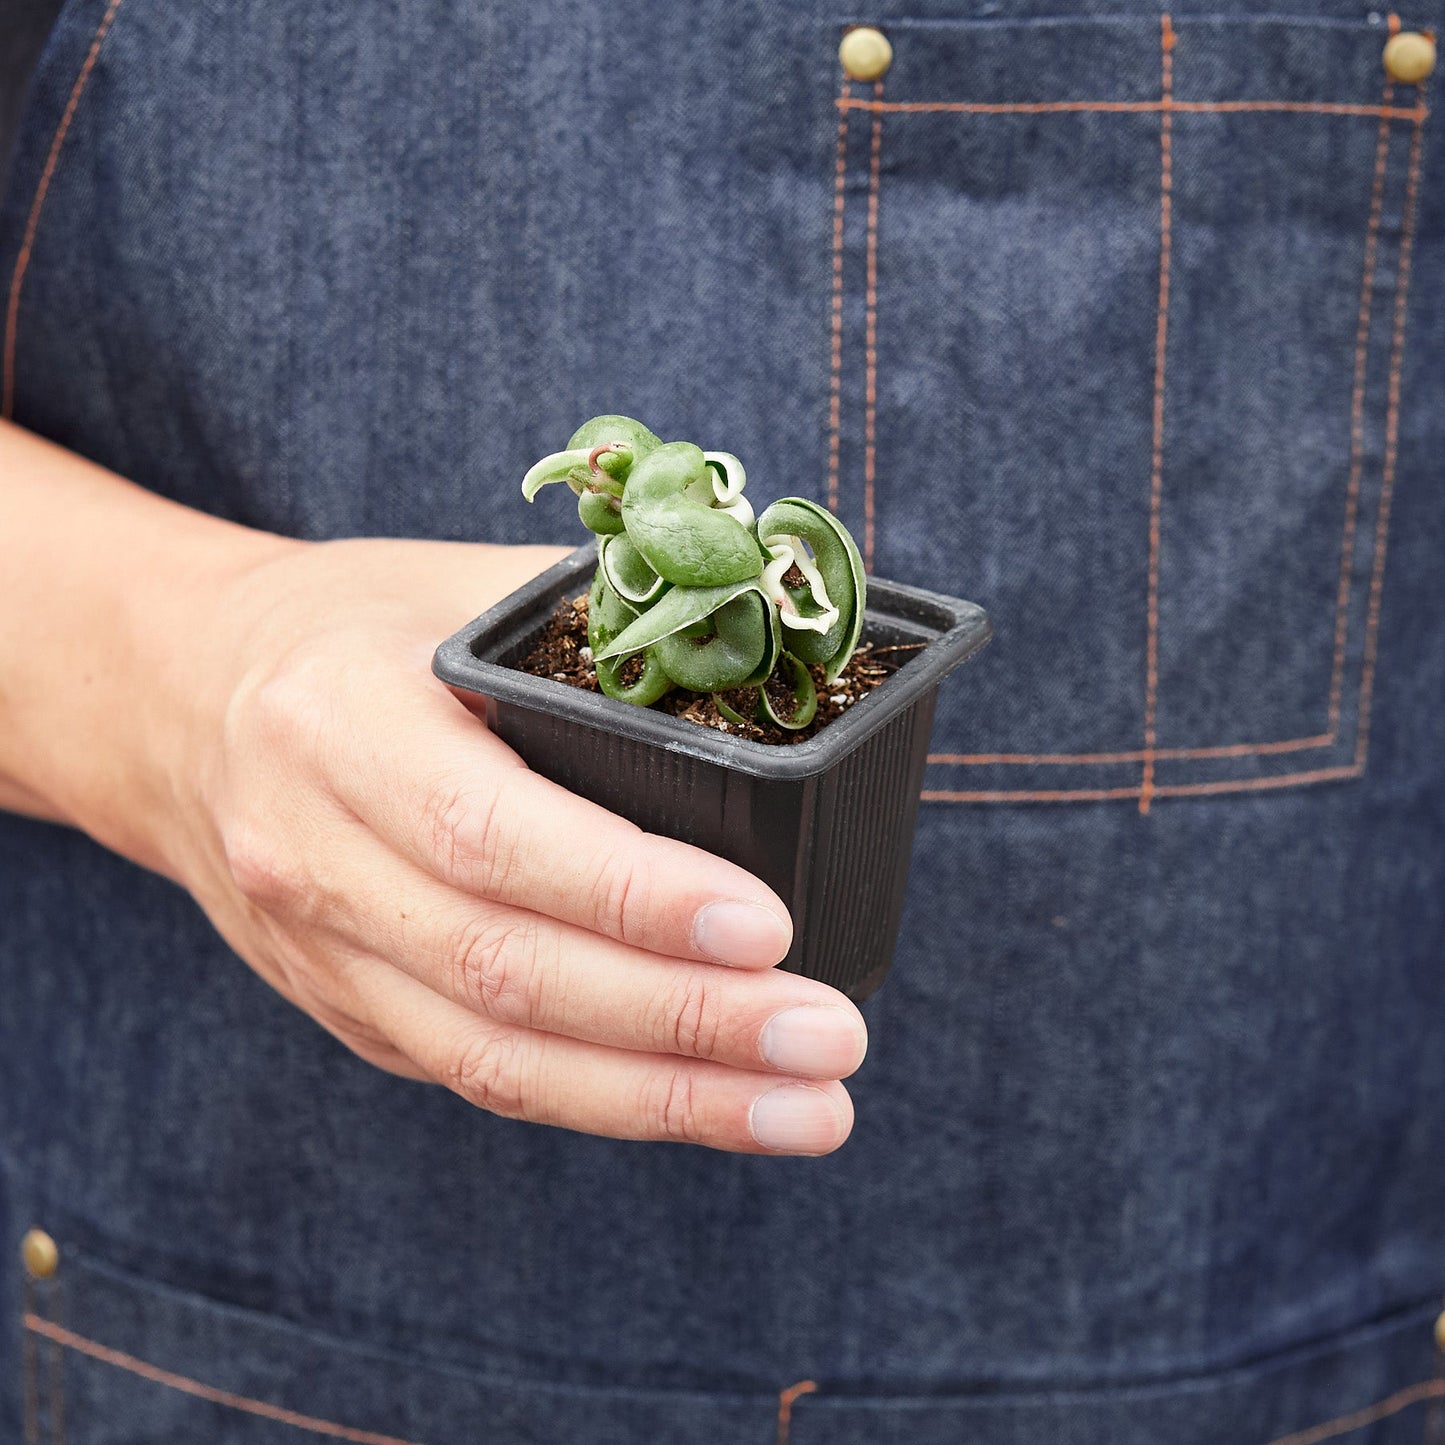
(32, 223)
(1357, 422)
(1166, 106)
(1343, 1424)
(57, 1377)
(1227, 750)
(1161, 790)
(1392, 437)
(1255, 785)
(1133, 107)
(1161, 346)
(835, 375)
(1392, 25)
(785, 1406)
(870, 403)
(30, 1387)
(1057, 795)
(204, 1392)
(1328, 738)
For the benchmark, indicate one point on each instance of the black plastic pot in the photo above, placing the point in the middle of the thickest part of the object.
(827, 823)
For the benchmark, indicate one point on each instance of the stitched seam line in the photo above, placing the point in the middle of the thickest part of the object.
(32, 221)
(1415, 113)
(835, 373)
(70, 1340)
(1161, 347)
(785, 1406)
(1344, 1424)
(36, 1325)
(1167, 106)
(1392, 438)
(30, 1386)
(1161, 790)
(1357, 421)
(1227, 750)
(870, 400)
(57, 1377)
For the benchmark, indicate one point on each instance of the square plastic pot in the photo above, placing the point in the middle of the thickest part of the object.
(827, 823)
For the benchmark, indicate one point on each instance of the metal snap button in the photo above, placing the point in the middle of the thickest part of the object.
(1440, 1330)
(40, 1254)
(1409, 56)
(866, 53)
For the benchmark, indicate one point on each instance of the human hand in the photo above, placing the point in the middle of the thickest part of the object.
(392, 868)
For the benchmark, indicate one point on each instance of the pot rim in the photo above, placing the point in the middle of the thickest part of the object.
(469, 662)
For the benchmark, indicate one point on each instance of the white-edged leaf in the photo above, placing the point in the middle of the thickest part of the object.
(728, 476)
(826, 524)
(680, 608)
(628, 572)
(553, 468)
(793, 603)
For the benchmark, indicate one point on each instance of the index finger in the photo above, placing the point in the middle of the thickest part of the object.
(461, 805)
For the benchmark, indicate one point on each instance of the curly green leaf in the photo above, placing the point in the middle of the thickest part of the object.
(600, 513)
(686, 541)
(841, 569)
(629, 573)
(613, 430)
(607, 615)
(802, 694)
(724, 655)
(675, 611)
(559, 467)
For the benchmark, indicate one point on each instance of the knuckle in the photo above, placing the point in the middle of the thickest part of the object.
(487, 1072)
(622, 898)
(690, 1022)
(291, 706)
(493, 958)
(671, 1107)
(465, 836)
(264, 875)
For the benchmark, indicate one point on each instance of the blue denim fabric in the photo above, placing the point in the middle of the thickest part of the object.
(1151, 1138)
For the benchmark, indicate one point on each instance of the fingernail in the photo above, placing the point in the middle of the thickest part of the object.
(818, 1039)
(796, 1119)
(745, 934)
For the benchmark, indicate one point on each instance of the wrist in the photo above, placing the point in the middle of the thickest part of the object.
(105, 591)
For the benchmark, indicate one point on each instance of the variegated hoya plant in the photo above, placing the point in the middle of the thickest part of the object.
(706, 595)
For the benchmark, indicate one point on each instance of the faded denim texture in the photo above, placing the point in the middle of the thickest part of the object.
(1151, 1137)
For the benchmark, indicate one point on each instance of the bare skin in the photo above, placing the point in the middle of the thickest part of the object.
(255, 718)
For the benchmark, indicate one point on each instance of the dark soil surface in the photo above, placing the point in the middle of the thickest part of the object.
(562, 654)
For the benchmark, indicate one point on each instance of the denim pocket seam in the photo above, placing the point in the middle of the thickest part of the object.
(36, 1326)
(60, 1337)
(37, 205)
(1393, 1404)
(1387, 112)
(29, 1371)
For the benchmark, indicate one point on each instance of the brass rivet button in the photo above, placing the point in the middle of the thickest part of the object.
(1409, 57)
(40, 1254)
(866, 53)
(1440, 1329)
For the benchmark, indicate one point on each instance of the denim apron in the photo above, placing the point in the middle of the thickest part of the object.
(1130, 326)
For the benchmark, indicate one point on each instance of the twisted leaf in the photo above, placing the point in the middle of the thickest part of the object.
(686, 541)
(675, 611)
(607, 615)
(805, 696)
(841, 569)
(628, 572)
(726, 652)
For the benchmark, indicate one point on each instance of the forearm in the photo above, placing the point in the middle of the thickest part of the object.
(99, 582)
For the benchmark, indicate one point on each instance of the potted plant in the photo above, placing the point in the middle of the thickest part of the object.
(816, 685)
